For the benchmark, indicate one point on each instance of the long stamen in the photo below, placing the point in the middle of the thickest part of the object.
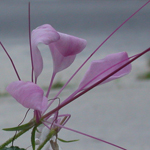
(50, 86)
(106, 70)
(112, 73)
(90, 136)
(29, 26)
(100, 47)
(68, 100)
(10, 61)
(81, 88)
(65, 119)
(19, 125)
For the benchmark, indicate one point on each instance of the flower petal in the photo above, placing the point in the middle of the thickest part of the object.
(68, 45)
(43, 34)
(28, 94)
(101, 68)
(61, 62)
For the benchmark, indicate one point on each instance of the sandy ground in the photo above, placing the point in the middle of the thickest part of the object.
(117, 112)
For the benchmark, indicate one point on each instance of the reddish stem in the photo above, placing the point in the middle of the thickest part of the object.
(100, 47)
(94, 85)
(11, 61)
(29, 26)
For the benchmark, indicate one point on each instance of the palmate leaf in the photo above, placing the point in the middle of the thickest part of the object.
(67, 141)
(12, 148)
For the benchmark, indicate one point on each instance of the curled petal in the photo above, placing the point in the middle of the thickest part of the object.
(28, 94)
(43, 34)
(101, 68)
(68, 45)
(63, 47)
(61, 62)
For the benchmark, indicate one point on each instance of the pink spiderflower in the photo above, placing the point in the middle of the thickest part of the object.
(64, 48)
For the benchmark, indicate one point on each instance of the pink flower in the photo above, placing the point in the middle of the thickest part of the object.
(63, 47)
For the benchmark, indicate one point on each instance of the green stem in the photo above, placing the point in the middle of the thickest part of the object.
(48, 137)
(13, 138)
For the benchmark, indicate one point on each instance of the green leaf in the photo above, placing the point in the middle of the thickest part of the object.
(33, 137)
(22, 127)
(12, 148)
(67, 141)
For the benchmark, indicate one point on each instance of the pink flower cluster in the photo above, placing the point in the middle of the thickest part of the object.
(64, 49)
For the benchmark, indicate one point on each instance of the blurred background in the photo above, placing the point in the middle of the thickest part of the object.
(120, 116)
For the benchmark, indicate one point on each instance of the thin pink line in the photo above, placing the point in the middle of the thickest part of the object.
(29, 26)
(90, 136)
(11, 61)
(99, 47)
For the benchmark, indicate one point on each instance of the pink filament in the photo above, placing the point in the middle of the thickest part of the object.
(100, 47)
(90, 136)
(29, 26)
(11, 61)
